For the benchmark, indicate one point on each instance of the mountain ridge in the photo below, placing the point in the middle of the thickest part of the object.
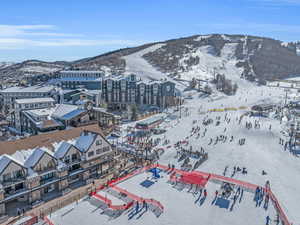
(252, 57)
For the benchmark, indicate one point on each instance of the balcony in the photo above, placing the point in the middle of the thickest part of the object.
(45, 178)
(12, 181)
(71, 162)
(14, 189)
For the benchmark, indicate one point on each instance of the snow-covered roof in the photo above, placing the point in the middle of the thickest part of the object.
(34, 100)
(84, 142)
(5, 160)
(30, 89)
(35, 157)
(41, 112)
(73, 114)
(81, 71)
(65, 111)
(80, 79)
(62, 149)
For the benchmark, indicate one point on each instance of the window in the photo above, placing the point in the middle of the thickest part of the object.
(67, 159)
(90, 154)
(98, 142)
(102, 150)
(18, 173)
(6, 177)
(74, 157)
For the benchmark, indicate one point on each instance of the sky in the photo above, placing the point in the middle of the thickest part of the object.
(69, 30)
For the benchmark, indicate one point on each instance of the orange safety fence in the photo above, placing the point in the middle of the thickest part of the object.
(236, 182)
(280, 211)
(137, 198)
(108, 202)
(31, 221)
(209, 176)
(48, 221)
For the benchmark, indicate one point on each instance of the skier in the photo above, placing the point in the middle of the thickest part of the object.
(205, 193)
(238, 191)
(268, 220)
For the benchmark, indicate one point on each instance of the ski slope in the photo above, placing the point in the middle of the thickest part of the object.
(261, 151)
(135, 63)
(181, 206)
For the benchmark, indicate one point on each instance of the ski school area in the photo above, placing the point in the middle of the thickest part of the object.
(158, 194)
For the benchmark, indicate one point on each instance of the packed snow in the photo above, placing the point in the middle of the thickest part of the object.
(135, 63)
(230, 142)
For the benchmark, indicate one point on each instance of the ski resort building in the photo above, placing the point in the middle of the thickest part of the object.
(28, 104)
(121, 92)
(66, 160)
(81, 79)
(9, 95)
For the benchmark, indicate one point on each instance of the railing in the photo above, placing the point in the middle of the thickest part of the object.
(244, 184)
(108, 202)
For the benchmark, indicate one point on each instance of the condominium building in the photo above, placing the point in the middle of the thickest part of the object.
(21, 105)
(120, 92)
(91, 80)
(64, 161)
(9, 95)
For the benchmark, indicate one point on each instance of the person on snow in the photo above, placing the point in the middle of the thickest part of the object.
(205, 193)
(268, 219)
(216, 193)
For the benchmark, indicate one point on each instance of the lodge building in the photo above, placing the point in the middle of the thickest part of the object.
(32, 176)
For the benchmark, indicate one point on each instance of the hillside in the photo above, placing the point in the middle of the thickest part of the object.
(201, 56)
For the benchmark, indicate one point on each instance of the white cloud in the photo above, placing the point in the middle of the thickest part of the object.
(27, 36)
(19, 30)
(17, 43)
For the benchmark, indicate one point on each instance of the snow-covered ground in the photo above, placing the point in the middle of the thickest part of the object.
(135, 63)
(261, 151)
(210, 63)
(180, 207)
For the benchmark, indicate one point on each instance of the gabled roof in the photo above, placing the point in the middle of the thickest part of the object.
(63, 149)
(34, 100)
(46, 139)
(66, 112)
(84, 142)
(5, 161)
(35, 157)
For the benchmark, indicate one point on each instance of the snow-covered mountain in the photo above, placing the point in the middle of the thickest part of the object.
(203, 56)
(199, 56)
(5, 64)
(30, 67)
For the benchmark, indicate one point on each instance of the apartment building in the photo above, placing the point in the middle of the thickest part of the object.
(9, 95)
(32, 176)
(121, 92)
(74, 79)
(21, 105)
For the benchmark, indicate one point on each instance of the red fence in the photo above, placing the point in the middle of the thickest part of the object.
(108, 202)
(48, 221)
(244, 184)
(137, 198)
(209, 176)
(31, 221)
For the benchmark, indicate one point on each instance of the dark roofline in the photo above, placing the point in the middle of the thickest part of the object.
(42, 157)
(13, 160)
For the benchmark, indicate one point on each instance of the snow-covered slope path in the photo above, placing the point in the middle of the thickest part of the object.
(135, 63)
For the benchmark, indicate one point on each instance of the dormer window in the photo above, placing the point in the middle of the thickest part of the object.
(98, 142)
(67, 159)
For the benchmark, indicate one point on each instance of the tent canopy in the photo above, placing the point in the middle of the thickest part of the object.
(192, 178)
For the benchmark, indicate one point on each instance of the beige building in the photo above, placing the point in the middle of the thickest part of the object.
(31, 177)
